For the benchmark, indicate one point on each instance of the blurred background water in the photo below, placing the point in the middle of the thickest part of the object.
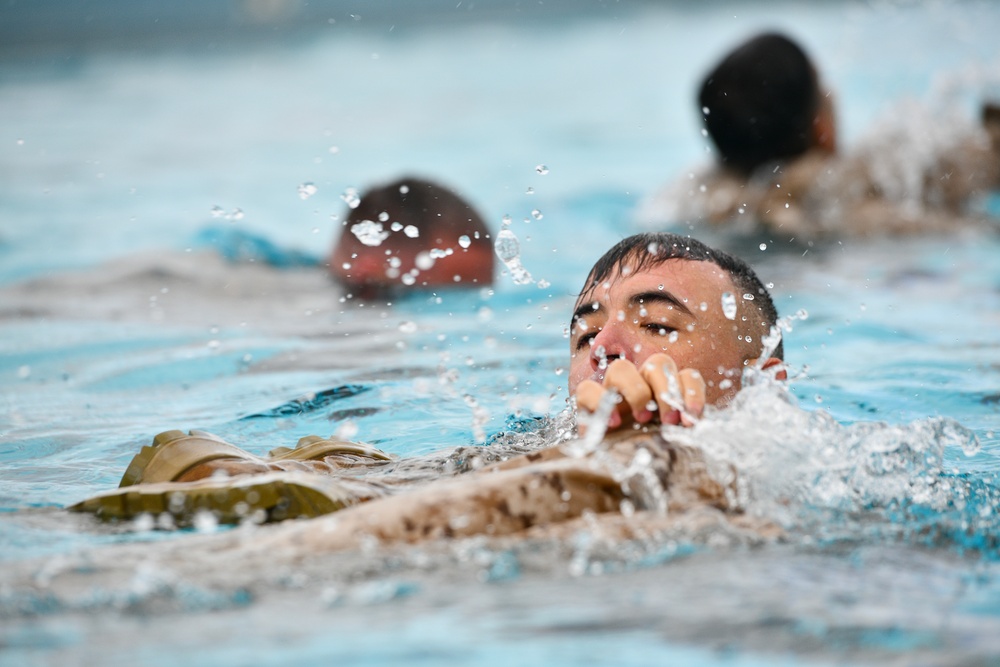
(142, 144)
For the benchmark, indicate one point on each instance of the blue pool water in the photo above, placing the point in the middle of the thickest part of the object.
(133, 174)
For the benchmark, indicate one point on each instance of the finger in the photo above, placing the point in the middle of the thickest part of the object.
(626, 379)
(692, 386)
(660, 373)
(589, 395)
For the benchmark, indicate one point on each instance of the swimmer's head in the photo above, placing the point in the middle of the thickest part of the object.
(661, 292)
(763, 103)
(411, 233)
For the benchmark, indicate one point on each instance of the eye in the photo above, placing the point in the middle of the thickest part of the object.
(659, 329)
(585, 340)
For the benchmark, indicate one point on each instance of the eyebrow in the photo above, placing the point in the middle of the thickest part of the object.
(641, 298)
(659, 296)
(586, 309)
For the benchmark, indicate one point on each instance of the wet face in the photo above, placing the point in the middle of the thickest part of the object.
(394, 264)
(675, 307)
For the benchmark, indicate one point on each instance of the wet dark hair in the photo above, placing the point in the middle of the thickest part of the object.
(431, 208)
(644, 251)
(761, 102)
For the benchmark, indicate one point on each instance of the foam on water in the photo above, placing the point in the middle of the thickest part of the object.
(877, 464)
(827, 481)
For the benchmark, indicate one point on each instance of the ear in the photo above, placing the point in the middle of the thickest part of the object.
(781, 373)
(825, 124)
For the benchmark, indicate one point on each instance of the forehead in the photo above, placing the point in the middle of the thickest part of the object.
(688, 280)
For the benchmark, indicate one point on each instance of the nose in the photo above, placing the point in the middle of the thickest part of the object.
(611, 342)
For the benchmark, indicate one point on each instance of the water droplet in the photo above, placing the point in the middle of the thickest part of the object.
(536, 214)
(704, 132)
(408, 279)
(205, 522)
(351, 197)
(542, 169)
(403, 189)
(706, 110)
(408, 327)
(218, 212)
(729, 305)
(423, 261)
(370, 233)
(530, 191)
(763, 246)
(544, 284)
(237, 214)
(307, 190)
(627, 507)
(464, 241)
(508, 249)
(507, 246)
(748, 297)
(347, 430)
(411, 231)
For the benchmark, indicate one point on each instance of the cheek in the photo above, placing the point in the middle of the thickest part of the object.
(579, 367)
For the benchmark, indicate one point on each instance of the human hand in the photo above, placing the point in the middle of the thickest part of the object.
(677, 396)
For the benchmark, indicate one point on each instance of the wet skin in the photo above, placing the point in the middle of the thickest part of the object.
(661, 335)
(383, 267)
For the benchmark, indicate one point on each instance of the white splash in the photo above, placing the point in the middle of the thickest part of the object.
(369, 232)
(508, 249)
